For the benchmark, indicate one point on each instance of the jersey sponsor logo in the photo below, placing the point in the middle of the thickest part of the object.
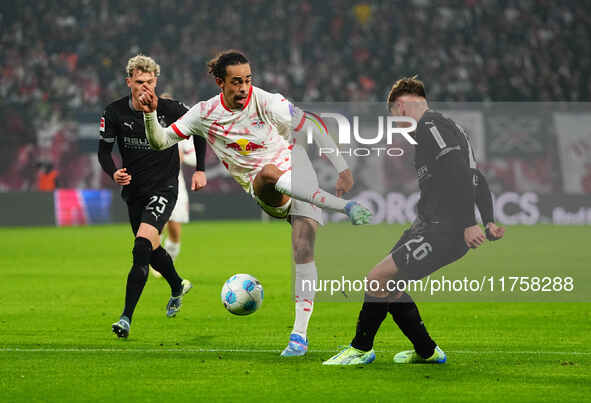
(135, 143)
(244, 146)
(129, 125)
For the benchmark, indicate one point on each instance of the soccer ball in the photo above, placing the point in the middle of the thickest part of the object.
(242, 294)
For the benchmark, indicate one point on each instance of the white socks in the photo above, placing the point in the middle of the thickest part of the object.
(304, 295)
(305, 187)
(172, 248)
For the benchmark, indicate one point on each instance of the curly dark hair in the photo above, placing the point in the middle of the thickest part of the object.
(406, 85)
(217, 65)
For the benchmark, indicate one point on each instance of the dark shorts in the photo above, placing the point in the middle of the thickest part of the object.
(423, 249)
(154, 208)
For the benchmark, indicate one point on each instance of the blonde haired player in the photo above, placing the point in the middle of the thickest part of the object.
(149, 184)
(260, 137)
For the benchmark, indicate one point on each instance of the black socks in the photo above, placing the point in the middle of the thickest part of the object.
(373, 312)
(406, 315)
(138, 275)
(162, 262)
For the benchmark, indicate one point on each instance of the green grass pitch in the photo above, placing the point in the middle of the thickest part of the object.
(61, 288)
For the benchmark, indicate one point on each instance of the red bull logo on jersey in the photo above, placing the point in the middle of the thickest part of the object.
(244, 146)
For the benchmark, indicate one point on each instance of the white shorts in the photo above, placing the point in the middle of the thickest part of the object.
(293, 207)
(180, 213)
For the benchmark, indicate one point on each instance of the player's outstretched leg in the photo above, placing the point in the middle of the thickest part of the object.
(306, 187)
(310, 192)
(405, 313)
(162, 262)
(136, 280)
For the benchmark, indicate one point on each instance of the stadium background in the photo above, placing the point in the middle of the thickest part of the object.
(63, 62)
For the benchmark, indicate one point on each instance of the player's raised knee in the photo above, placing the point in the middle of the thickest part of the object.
(270, 173)
(378, 279)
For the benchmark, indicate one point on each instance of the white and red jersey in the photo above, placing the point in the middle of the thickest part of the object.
(245, 140)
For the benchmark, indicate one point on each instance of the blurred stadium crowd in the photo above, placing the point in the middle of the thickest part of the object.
(60, 58)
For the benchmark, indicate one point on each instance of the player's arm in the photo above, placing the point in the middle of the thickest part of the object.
(301, 124)
(199, 179)
(485, 206)
(305, 123)
(160, 138)
(483, 197)
(295, 124)
(107, 131)
(105, 158)
(312, 123)
(196, 159)
(200, 148)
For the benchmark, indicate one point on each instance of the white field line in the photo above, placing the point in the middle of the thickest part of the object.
(238, 350)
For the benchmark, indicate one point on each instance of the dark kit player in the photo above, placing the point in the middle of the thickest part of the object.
(150, 184)
(445, 228)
